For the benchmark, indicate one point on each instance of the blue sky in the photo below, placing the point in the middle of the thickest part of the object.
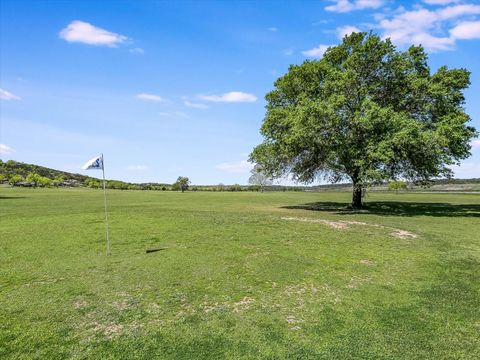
(177, 88)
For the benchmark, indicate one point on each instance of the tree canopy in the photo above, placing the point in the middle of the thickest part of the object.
(365, 112)
(182, 183)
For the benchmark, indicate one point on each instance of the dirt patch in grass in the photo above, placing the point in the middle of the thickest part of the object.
(344, 224)
(402, 234)
(309, 293)
(367, 262)
(357, 281)
(238, 306)
(80, 304)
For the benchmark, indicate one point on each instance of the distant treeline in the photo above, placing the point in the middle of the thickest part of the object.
(29, 175)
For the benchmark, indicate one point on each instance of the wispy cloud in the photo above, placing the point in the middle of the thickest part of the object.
(436, 29)
(230, 97)
(466, 30)
(273, 29)
(137, 167)
(136, 50)
(316, 52)
(343, 6)
(5, 95)
(6, 150)
(476, 144)
(346, 30)
(440, 2)
(235, 167)
(83, 32)
(150, 97)
(195, 105)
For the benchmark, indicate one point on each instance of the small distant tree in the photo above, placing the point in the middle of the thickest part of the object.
(93, 183)
(58, 180)
(15, 179)
(43, 181)
(397, 185)
(182, 184)
(3, 178)
(235, 187)
(34, 179)
(258, 178)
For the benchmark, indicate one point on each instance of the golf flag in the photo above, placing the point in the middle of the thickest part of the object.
(96, 164)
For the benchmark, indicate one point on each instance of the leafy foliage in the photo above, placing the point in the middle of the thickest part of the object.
(38, 180)
(397, 185)
(182, 183)
(15, 179)
(365, 112)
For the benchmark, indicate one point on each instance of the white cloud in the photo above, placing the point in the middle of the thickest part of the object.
(136, 50)
(475, 144)
(230, 97)
(150, 97)
(235, 167)
(287, 52)
(5, 95)
(83, 32)
(137, 167)
(440, 2)
(466, 30)
(346, 30)
(428, 27)
(343, 6)
(5, 149)
(273, 29)
(195, 105)
(451, 12)
(316, 52)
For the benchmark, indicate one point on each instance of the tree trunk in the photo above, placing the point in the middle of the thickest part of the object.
(357, 196)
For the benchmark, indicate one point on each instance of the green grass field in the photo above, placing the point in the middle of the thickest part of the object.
(240, 276)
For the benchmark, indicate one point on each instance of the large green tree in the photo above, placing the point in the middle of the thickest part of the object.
(365, 112)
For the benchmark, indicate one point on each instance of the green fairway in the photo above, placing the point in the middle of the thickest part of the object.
(239, 275)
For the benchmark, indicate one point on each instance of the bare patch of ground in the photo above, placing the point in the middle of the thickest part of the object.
(367, 262)
(356, 281)
(309, 293)
(294, 323)
(238, 306)
(402, 234)
(80, 304)
(344, 224)
(44, 282)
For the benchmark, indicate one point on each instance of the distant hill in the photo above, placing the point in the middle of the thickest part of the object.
(12, 167)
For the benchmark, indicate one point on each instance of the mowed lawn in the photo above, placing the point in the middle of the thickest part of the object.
(240, 276)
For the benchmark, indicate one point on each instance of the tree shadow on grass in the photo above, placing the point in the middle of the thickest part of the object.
(395, 208)
(12, 197)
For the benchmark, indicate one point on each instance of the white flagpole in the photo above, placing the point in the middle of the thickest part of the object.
(105, 201)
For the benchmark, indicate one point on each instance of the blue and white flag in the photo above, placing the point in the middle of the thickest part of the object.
(96, 164)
